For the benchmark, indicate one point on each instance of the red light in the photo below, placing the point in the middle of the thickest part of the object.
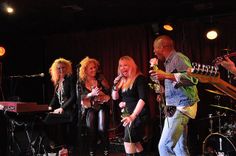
(2, 51)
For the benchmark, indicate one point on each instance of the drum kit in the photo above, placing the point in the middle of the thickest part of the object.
(223, 141)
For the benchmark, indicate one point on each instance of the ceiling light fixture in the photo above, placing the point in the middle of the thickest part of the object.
(212, 34)
(168, 27)
(9, 10)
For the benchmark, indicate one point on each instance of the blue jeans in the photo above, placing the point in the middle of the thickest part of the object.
(173, 139)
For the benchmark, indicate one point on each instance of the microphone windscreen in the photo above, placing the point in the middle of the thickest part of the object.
(41, 74)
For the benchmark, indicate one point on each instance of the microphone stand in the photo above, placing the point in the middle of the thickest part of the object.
(1, 90)
(43, 91)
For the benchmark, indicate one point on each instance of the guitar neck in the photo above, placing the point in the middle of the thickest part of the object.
(212, 76)
(231, 54)
(226, 88)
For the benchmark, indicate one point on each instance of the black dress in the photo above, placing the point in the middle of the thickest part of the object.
(131, 97)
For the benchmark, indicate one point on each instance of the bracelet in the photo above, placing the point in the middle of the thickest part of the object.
(114, 88)
(89, 95)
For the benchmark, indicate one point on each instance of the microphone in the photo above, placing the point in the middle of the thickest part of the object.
(117, 79)
(28, 76)
(37, 75)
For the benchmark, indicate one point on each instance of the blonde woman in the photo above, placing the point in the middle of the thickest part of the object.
(61, 77)
(131, 86)
(63, 100)
(95, 94)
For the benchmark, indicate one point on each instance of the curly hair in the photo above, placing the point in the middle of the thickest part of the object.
(54, 71)
(83, 65)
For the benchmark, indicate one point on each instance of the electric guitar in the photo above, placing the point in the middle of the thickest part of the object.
(210, 74)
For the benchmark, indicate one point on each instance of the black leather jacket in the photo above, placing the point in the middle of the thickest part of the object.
(69, 96)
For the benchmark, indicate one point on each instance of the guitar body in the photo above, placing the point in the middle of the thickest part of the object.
(95, 101)
(210, 74)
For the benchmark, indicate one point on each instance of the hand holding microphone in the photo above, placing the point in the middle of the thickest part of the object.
(116, 81)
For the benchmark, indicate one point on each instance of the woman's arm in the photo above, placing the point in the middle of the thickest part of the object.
(71, 93)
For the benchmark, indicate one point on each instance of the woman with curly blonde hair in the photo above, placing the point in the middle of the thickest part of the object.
(64, 99)
(95, 94)
(55, 72)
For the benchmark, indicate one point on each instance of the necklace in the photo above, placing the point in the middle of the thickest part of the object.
(91, 84)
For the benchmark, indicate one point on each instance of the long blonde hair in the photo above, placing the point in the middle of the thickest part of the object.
(133, 72)
(54, 71)
(83, 65)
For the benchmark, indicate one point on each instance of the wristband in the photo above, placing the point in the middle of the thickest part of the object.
(89, 95)
(114, 88)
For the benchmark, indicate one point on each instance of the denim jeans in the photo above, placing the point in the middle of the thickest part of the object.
(173, 140)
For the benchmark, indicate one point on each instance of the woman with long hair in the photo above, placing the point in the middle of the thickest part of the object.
(131, 86)
(63, 101)
(95, 94)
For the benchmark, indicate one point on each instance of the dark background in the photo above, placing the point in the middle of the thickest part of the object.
(41, 31)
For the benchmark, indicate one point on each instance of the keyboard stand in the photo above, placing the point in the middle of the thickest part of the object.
(34, 142)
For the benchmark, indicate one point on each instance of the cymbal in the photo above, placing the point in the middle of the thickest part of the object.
(225, 108)
(216, 92)
(212, 117)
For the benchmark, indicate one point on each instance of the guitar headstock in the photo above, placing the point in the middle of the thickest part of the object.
(204, 73)
(219, 59)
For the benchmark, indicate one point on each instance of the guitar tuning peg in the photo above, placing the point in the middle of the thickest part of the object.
(194, 64)
(203, 69)
(194, 68)
(208, 67)
(197, 68)
(215, 71)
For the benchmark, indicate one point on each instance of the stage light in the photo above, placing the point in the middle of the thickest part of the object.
(212, 34)
(2, 51)
(212, 30)
(168, 27)
(9, 10)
